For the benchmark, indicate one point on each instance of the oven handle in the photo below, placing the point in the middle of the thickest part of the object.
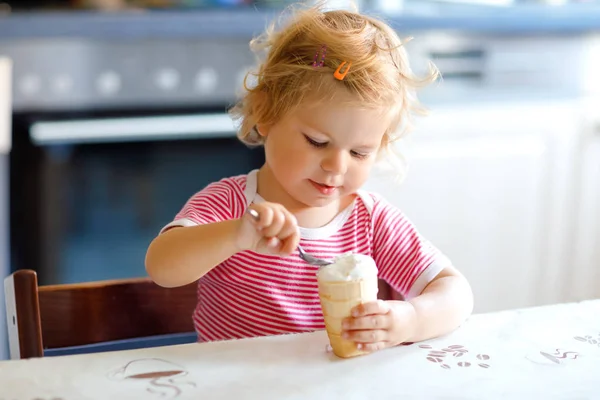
(103, 130)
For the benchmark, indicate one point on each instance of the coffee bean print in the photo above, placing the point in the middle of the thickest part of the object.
(589, 339)
(454, 351)
(483, 357)
(437, 353)
(457, 351)
(435, 359)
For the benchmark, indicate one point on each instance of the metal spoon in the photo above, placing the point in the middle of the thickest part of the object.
(303, 255)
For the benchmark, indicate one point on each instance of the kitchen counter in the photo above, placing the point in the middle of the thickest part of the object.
(525, 19)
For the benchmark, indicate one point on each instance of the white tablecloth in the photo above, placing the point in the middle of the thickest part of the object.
(550, 352)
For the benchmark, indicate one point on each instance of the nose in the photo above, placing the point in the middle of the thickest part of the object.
(335, 162)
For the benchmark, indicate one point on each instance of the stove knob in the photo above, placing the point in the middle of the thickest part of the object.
(30, 84)
(62, 84)
(167, 79)
(108, 83)
(206, 80)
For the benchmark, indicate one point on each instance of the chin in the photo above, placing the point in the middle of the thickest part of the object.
(319, 201)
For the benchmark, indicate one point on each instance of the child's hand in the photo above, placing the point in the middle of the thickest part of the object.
(380, 324)
(275, 231)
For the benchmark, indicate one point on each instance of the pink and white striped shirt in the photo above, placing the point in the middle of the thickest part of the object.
(252, 294)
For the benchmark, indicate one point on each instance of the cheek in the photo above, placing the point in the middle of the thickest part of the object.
(287, 156)
(361, 171)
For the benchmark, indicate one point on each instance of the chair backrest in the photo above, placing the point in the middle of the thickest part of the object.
(59, 316)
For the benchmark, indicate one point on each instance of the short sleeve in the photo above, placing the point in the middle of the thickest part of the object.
(406, 260)
(219, 201)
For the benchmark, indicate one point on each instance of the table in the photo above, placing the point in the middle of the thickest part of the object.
(549, 352)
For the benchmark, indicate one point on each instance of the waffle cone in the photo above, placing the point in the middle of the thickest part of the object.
(337, 301)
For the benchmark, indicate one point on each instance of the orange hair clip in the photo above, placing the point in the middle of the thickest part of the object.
(341, 75)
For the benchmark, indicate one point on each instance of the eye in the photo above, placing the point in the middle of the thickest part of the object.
(358, 155)
(314, 143)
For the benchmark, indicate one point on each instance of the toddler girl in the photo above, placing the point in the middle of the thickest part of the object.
(332, 94)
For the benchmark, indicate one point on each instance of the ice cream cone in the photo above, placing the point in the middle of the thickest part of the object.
(338, 298)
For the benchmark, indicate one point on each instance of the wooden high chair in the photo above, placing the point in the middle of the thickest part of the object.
(42, 320)
(84, 317)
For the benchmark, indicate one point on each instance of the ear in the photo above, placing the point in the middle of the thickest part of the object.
(263, 129)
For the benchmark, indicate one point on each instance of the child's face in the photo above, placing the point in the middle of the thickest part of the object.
(322, 154)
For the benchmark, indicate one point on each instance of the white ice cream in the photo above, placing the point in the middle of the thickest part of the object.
(348, 267)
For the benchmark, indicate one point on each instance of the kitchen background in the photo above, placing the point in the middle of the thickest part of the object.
(112, 113)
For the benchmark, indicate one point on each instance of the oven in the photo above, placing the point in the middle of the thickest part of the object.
(109, 139)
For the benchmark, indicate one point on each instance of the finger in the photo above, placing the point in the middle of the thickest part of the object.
(289, 234)
(371, 308)
(290, 225)
(265, 216)
(289, 244)
(274, 245)
(269, 245)
(366, 336)
(252, 215)
(376, 321)
(277, 221)
(370, 347)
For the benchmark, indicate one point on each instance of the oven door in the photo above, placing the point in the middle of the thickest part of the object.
(89, 194)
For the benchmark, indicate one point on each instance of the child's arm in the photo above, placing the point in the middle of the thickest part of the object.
(183, 255)
(444, 304)
(438, 297)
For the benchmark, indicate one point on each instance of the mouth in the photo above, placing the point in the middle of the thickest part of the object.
(323, 188)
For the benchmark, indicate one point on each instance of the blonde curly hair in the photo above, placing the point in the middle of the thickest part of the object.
(380, 76)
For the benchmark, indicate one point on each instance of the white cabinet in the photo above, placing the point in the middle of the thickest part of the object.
(488, 184)
(584, 281)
